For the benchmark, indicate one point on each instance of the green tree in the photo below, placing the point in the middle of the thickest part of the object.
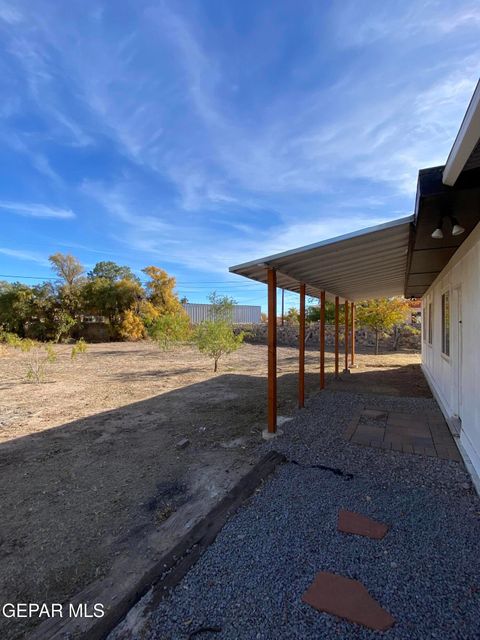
(312, 313)
(69, 288)
(34, 312)
(216, 338)
(381, 314)
(169, 329)
(112, 271)
(292, 316)
(104, 297)
(15, 307)
(63, 324)
(221, 307)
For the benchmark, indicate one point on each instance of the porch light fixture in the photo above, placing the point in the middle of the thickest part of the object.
(438, 233)
(457, 229)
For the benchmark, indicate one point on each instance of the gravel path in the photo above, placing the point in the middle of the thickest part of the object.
(425, 572)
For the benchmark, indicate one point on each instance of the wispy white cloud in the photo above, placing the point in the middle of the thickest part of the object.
(423, 19)
(34, 210)
(25, 255)
(386, 132)
(368, 125)
(37, 158)
(9, 13)
(187, 242)
(121, 204)
(214, 159)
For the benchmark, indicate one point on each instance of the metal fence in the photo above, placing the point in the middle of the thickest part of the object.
(242, 313)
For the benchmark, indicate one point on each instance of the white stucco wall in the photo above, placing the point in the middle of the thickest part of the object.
(458, 391)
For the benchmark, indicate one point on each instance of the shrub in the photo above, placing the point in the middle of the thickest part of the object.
(10, 339)
(79, 347)
(39, 357)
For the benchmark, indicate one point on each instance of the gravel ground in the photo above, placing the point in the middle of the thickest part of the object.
(425, 572)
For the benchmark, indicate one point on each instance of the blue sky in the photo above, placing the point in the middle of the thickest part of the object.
(195, 135)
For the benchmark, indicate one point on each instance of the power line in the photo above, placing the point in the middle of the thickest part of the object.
(4, 275)
(197, 288)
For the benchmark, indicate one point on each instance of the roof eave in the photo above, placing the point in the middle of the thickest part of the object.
(465, 142)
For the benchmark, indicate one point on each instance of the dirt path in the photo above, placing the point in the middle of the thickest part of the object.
(89, 458)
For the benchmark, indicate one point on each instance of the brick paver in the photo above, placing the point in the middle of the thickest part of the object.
(421, 434)
(348, 599)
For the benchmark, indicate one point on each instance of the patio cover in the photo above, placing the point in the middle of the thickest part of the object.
(364, 264)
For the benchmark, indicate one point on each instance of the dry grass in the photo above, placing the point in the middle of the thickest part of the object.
(88, 458)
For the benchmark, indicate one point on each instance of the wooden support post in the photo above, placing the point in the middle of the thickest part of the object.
(283, 307)
(272, 350)
(352, 341)
(301, 349)
(346, 335)
(322, 340)
(337, 315)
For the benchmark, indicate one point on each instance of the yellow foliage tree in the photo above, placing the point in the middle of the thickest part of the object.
(148, 312)
(381, 314)
(161, 291)
(131, 327)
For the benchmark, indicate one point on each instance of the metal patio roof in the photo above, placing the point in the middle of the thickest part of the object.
(364, 264)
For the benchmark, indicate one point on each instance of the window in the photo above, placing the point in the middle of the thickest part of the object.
(446, 323)
(430, 323)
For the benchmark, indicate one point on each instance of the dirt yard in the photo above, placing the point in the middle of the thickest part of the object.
(89, 458)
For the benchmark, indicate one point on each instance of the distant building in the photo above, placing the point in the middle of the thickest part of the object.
(415, 314)
(242, 313)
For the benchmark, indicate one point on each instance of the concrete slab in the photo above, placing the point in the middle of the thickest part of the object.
(266, 435)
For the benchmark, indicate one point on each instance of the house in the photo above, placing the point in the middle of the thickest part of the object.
(433, 255)
(451, 301)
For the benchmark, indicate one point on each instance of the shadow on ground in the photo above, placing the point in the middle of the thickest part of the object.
(73, 493)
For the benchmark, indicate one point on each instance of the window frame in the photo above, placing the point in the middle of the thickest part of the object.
(430, 323)
(446, 323)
